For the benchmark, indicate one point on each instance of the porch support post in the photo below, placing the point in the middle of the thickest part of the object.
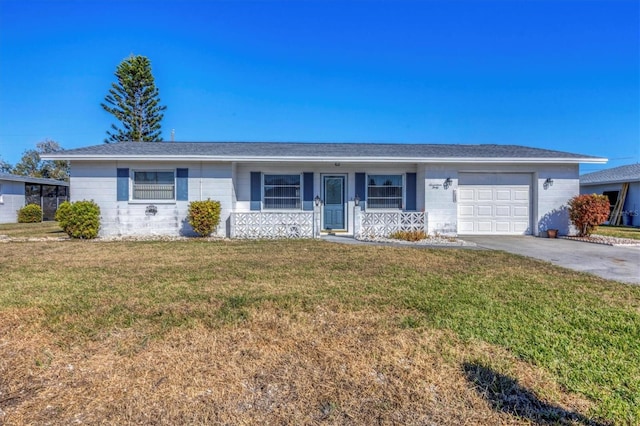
(316, 221)
(426, 223)
(232, 225)
(357, 222)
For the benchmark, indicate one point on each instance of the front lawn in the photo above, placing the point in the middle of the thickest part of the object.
(306, 332)
(618, 231)
(48, 229)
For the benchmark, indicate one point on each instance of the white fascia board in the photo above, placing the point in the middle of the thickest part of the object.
(213, 158)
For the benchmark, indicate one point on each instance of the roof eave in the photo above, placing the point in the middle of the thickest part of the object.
(39, 181)
(610, 182)
(292, 159)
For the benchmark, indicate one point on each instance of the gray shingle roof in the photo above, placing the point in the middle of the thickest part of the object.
(29, 179)
(629, 173)
(321, 151)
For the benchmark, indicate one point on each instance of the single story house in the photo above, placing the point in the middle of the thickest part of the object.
(275, 190)
(610, 182)
(18, 191)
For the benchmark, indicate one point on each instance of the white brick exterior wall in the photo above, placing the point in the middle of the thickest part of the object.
(11, 200)
(97, 181)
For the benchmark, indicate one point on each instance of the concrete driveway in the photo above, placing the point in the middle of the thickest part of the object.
(611, 262)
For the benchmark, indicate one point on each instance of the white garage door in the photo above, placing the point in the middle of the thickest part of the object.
(493, 209)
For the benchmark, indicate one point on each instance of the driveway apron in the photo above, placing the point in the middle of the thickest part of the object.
(610, 262)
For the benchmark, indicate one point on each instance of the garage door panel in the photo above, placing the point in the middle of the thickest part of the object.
(494, 209)
(484, 226)
(503, 211)
(465, 194)
(521, 195)
(465, 211)
(503, 195)
(484, 195)
(484, 211)
(521, 212)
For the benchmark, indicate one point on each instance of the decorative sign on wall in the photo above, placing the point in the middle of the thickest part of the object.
(151, 210)
(435, 185)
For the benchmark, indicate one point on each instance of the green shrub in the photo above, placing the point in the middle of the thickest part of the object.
(80, 219)
(31, 213)
(408, 235)
(204, 216)
(62, 215)
(586, 212)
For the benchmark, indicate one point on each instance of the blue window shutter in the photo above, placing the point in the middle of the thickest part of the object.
(411, 192)
(361, 188)
(256, 190)
(182, 184)
(307, 198)
(123, 185)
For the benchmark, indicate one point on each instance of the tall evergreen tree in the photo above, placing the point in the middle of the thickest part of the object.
(134, 101)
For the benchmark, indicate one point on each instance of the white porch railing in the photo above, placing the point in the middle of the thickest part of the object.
(272, 225)
(382, 224)
(367, 225)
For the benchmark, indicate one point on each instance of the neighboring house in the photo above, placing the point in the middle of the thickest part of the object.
(271, 190)
(609, 182)
(18, 191)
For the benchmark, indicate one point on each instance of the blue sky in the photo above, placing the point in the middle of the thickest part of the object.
(551, 74)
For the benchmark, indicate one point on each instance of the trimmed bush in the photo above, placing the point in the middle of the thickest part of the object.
(204, 216)
(62, 214)
(31, 213)
(80, 219)
(408, 235)
(586, 212)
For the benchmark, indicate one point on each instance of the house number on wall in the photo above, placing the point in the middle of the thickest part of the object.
(151, 210)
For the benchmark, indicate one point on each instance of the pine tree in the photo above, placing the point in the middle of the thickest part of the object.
(134, 101)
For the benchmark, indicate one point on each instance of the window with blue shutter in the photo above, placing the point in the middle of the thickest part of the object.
(256, 190)
(123, 185)
(307, 199)
(361, 190)
(411, 192)
(182, 184)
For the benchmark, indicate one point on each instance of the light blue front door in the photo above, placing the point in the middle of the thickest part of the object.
(333, 211)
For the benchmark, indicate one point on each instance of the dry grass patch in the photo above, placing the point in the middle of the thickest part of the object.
(309, 332)
(322, 366)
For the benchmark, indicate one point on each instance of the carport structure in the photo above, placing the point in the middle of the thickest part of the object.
(18, 191)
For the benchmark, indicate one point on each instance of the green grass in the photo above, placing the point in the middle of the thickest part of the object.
(583, 330)
(48, 229)
(619, 231)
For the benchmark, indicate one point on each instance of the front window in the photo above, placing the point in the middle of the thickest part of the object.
(154, 185)
(384, 192)
(281, 191)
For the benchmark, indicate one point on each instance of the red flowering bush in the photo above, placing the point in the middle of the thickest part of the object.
(586, 212)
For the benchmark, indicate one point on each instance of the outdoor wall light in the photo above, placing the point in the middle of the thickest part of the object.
(447, 183)
(357, 200)
(547, 183)
(317, 200)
